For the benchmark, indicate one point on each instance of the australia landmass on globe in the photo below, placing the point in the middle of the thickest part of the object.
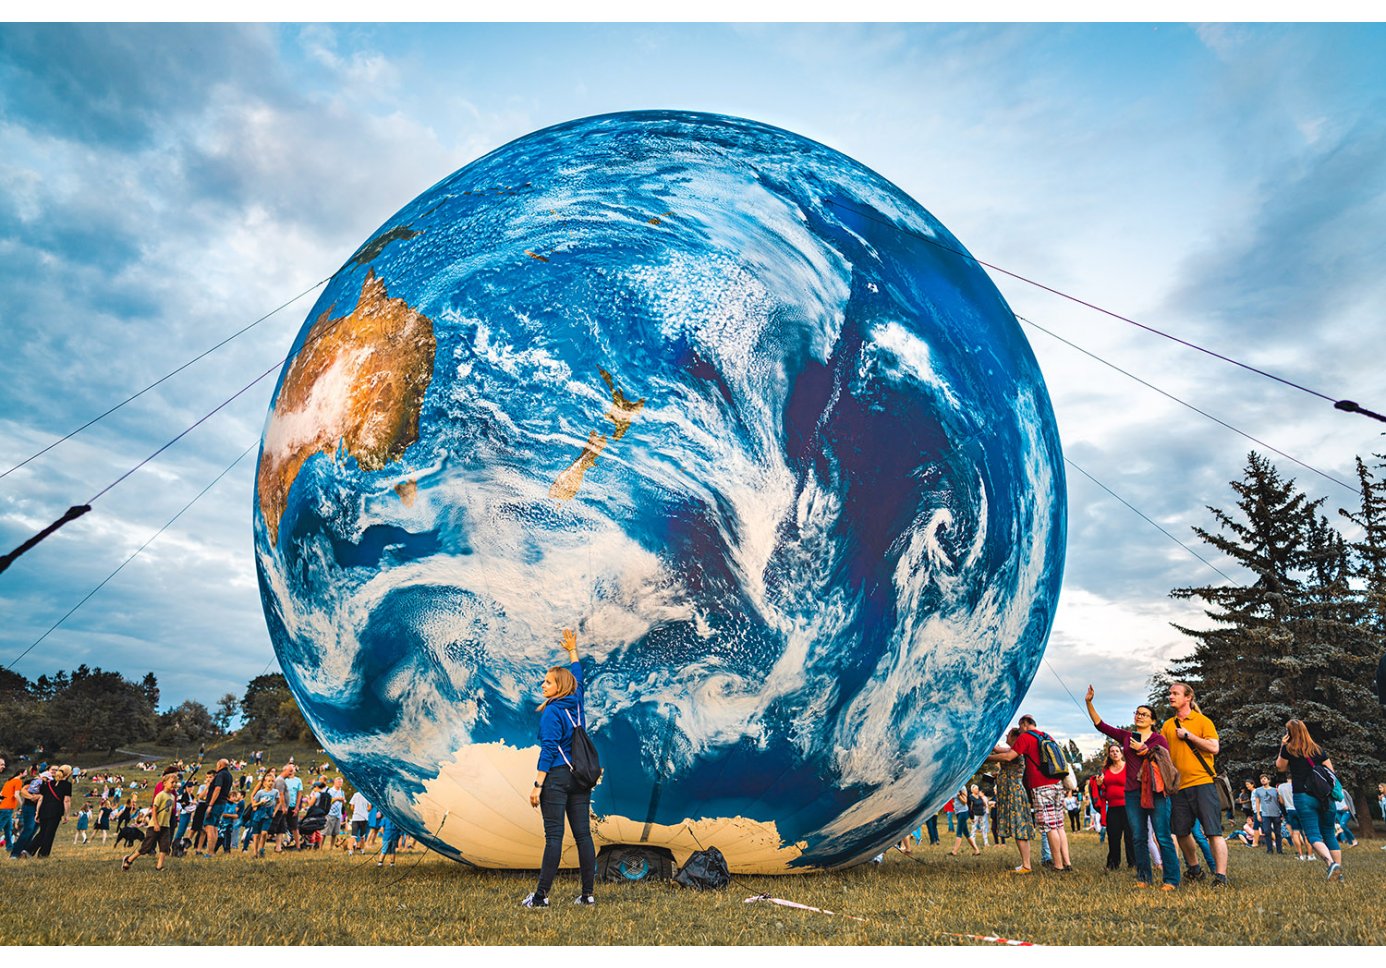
(356, 384)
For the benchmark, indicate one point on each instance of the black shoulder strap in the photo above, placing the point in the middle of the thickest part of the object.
(1199, 756)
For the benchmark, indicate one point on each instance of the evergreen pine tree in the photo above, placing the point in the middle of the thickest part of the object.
(1368, 574)
(1238, 666)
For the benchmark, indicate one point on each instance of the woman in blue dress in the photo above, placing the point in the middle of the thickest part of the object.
(555, 794)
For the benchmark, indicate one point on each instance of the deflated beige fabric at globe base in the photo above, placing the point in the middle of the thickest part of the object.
(479, 805)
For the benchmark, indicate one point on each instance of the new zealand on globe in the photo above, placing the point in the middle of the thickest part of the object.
(720, 398)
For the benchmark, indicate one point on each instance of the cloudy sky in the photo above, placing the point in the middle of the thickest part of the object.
(161, 187)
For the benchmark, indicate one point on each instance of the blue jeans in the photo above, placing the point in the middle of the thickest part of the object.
(184, 819)
(1202, 842)
(931, 825)
(7, 825)
(1270, 830)
(949, 815)
(28, 826)
(1140, 821)
(1315, 820)
(1344, 817)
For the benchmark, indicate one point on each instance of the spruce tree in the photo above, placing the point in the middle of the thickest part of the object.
(1242, 668)
(1368, 575)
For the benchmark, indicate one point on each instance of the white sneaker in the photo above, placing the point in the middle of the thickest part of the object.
(535, 901)
(585, 899)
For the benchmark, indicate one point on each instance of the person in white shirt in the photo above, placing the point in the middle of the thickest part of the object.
(1287, 803)
(360, 821)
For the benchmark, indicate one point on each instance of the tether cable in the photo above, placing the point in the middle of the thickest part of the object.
(1149, 521)
(167, 524)
(1348, 406)
(1184, 403)
(171, 373)
(79, 510)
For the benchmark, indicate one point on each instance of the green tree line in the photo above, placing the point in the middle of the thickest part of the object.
(1300, 636)
(94, 709)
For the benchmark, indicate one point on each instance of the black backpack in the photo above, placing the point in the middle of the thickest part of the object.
(706, 870)
(585, 764)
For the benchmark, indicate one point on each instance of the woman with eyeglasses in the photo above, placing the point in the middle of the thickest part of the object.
(1147, 796)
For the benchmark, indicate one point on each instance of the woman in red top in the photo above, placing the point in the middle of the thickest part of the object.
(1113, 780)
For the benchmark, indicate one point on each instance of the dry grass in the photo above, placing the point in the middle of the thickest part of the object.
(80, 896)
(71, 898)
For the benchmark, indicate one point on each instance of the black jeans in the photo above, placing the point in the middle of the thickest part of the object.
(1118, 831)
(557, 800)
(1270, 830)
(42, 844)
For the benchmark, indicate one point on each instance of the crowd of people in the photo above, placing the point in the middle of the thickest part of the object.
(194, 812)
(1154, 801)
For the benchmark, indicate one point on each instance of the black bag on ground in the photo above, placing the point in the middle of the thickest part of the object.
(586, 766)
(706, 870)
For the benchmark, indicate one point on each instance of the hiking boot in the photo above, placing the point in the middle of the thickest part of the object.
(1168, 887)
(1194, 873)
(1219, 880)
(535, 901)
(1142, 884)
(585, 899)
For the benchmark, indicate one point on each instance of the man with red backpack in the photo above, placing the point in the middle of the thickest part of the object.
(1046, 792)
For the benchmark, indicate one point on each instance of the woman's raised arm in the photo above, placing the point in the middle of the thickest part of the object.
(1092, 710)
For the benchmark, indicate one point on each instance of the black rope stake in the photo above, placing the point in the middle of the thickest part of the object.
(72, 514)
(1348, 406)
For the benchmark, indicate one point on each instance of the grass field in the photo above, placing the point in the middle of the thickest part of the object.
(80, 896)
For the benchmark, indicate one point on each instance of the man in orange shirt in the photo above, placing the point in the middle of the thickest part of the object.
(1193, 742)
(9, 801)
(27, 804)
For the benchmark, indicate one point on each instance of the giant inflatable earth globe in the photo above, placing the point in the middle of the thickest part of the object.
(726, 402)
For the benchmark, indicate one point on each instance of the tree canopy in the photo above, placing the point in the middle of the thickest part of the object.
(1300, 638)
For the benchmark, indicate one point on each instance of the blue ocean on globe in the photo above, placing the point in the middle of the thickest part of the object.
(726, 402)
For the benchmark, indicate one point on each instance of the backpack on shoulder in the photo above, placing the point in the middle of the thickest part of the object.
(585, 764)
(1052, 762)
(1323, 783)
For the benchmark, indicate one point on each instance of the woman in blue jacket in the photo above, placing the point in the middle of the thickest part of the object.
(554, 792)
